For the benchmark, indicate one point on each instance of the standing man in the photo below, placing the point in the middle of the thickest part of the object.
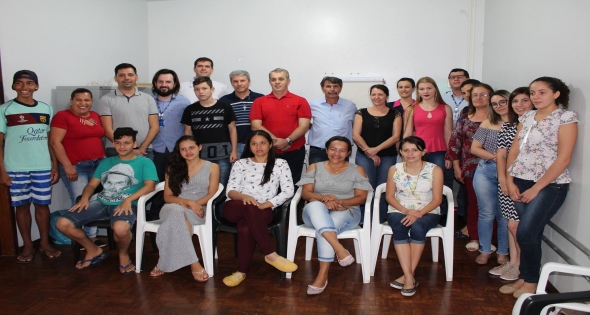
(285, 116)
(241, 100)
(332, 116)
(213, 123)
(27, 163)
(203, 68)
(165, 86)
(454, 98)
(128, 107)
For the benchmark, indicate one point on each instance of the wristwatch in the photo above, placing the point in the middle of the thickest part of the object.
(289, 141)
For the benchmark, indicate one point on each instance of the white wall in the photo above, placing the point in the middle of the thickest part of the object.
(347, 38)
(71, 42)
(530, 38)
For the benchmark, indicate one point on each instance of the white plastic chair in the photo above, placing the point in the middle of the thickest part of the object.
(361, 236)
(203, 231)
(444, 232)
(547, 269)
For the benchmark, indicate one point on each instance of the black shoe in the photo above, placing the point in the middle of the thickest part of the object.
(460, 235)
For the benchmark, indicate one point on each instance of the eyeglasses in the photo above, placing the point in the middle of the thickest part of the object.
(476, 95)
(376, 122)
(500, 103)
(454, 77)
(334, 150)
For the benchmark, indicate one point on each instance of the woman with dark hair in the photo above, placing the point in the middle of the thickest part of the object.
(71, 129)
(190, 183)
(335, 189)
(405, 89)
(464, 162)
(521, 103)
(375, 131)
(538, 178)
(253, 193)
(485, 180)
(414, 193)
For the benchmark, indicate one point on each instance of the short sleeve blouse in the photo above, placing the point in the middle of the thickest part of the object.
(488, 137)
(538, 145)
(340, 185)
(414, 191)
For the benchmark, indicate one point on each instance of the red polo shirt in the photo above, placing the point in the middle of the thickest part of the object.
(281, 116)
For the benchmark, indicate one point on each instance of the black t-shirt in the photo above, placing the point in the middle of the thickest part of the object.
(376, 129)
(210, 127)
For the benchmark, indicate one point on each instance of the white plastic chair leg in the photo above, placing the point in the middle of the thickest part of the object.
(386, 242)
(139, 239)
(448, 251)
(358, 252)
(375, 242)
(434, 242)
(308, 247)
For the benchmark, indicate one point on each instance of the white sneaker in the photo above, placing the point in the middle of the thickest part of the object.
(512, 273)
(500, 270)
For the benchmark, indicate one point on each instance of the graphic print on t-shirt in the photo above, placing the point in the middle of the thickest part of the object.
(116, 181)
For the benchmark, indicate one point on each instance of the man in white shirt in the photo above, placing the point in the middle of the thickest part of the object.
(454, 98)
(203, 68)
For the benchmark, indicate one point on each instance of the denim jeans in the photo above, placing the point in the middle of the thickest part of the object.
(316, 215)
(377, 175)
(161, 162)
(317, 155)
(85, 171)
(533, 218)
(417, 231)
(224, 170)
(485, 184)
(111, 152)
(241, 147)
(438, 158)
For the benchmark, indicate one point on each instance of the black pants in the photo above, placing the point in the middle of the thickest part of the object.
(295, 160)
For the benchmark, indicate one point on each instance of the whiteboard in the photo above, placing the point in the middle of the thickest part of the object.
(358, 91)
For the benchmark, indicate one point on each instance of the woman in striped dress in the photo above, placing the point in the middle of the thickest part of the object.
(190, 183)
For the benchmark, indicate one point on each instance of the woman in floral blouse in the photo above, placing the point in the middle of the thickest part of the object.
(414, 194)
(538, 178)
(252, 192)
(464, 163)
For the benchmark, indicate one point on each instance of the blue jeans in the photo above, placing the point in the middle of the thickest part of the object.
(224, 170)
(377, 175)
(99, 211)
(111, 152)
(85, 171)
(415, 233)
(533, 218)
(438, 158)
(485, 184)
(241, 147)
(317, 155)
(317, 216)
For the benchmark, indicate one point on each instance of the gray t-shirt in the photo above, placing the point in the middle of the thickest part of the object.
(340, 185)
(128, 112)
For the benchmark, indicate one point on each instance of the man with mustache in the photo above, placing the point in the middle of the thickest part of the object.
(285, 116)
(165, 86)
(332, 116)
(128, 107)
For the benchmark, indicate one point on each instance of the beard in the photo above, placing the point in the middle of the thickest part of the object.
(161, 92)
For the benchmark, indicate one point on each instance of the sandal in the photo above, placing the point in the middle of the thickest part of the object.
(472, 246)
(51, 254)
(200, 276)
(461, 236)
(156, 272)
(25, 259)
(123, 269)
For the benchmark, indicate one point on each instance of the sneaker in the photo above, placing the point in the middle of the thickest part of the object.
(234, 279)
(499, 270)
(282, 264)
(512, 273)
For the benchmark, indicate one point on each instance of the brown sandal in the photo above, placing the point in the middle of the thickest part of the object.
(156, 272)
(200, 276)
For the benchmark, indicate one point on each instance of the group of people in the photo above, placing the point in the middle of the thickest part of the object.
(508, 153)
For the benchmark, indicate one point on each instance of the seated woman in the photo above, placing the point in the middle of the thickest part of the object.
(252, 193)
(190, 183)
(414, 194)
(335, 189)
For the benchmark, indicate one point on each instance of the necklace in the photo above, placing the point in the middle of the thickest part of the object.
(413, 190)
(336, 170)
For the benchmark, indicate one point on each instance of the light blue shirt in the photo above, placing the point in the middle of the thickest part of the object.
(330, 120)
(171, 112)
(457, 104)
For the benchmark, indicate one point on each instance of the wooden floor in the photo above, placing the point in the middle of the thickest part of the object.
(54, 287)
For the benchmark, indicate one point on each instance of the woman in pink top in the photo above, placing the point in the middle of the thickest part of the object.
(431, 120)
